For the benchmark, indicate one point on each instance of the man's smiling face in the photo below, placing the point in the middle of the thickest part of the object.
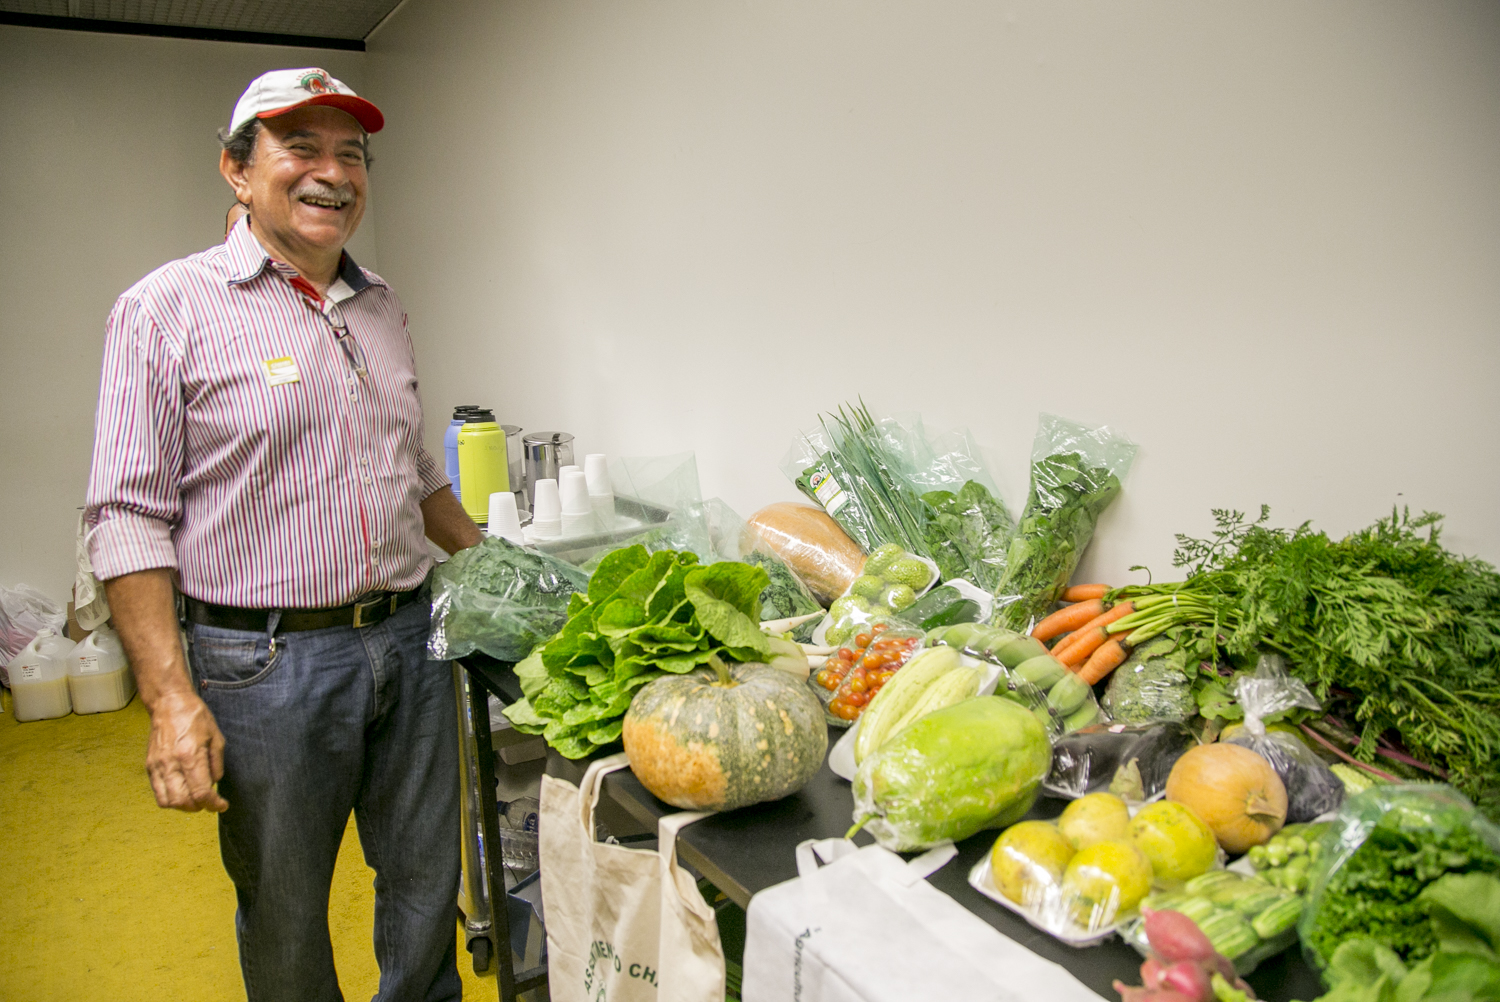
(306, 183)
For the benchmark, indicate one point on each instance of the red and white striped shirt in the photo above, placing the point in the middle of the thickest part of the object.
(238, 441)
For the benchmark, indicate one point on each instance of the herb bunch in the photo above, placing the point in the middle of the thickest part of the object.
(1389, 628)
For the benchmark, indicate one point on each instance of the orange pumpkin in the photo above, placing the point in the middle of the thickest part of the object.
(1234, 790)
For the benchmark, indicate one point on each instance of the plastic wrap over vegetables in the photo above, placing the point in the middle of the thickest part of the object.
(973, 765)
(1075, 474)
(1387, 845)
(1311, 787)
(499, 598)
(1155, 684)
(819, 552)
(1131, 762)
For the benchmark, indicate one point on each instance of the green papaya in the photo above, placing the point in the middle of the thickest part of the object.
(956, 771)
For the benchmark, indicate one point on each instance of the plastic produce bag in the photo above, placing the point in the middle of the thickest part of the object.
(892, 580)
(887, 653)
(813, 545)
(973, 765)
(967, 526)
(1383, 849)
(24, 612)
(1154, 684)
(1312, 789)
(1032, 674)
(1131, 762)
(1246, 919)
(501, 599)
(1075, 474)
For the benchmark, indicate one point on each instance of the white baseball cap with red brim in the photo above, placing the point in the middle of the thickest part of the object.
(280, 91)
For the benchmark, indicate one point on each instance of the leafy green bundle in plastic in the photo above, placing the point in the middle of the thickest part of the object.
(499, 598)
(1378, 856)
(1075, 474)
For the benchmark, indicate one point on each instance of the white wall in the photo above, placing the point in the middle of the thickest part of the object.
(1263, 239)
(108, 168)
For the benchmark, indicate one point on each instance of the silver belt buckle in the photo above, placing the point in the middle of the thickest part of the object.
(368, 606)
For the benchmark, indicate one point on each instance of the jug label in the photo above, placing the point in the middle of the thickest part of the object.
(88, 664)
(281, 370)
(30, 673)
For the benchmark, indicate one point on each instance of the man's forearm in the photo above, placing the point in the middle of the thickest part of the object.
(185, 752)
(143, 608)
(447, 524)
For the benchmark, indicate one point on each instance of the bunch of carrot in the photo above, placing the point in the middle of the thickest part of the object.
(1096, 635)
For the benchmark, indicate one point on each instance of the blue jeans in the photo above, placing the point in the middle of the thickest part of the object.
(316, 724)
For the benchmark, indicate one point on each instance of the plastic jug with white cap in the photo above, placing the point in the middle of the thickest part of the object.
(99, 679)
(39, 678)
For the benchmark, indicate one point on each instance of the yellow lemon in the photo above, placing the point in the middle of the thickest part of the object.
(1097, 817)
(1178, 843)
(1027, 858)
(1105, 880)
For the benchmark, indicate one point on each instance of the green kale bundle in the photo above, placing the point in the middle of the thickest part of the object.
(1068, 494)
(1388, 844)
(499, 598)
(645, 615)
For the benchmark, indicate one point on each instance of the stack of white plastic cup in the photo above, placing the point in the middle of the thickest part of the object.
(601, 493)
(563, 471)
(505, 519)
(577, 509)
(546, 511)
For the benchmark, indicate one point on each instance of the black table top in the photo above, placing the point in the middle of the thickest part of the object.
(745, 851)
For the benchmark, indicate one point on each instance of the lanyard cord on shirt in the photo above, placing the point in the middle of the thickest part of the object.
(331, 313)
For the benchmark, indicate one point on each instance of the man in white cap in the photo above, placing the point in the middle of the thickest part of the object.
(259, 440)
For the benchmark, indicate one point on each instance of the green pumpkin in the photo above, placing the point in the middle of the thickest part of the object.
(726, 737)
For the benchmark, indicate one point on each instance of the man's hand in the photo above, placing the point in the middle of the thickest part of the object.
(185, 753)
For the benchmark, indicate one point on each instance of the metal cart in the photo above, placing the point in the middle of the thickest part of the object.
(487, 927)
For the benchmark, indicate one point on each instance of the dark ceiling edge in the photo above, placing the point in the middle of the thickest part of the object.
(176, 31)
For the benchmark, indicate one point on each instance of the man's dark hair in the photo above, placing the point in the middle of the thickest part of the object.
(240, 144)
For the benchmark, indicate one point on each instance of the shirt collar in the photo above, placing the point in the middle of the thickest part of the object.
(247, 259)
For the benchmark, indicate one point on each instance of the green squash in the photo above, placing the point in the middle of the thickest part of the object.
(716, 739)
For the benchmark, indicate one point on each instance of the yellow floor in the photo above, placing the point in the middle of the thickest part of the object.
(103, 895)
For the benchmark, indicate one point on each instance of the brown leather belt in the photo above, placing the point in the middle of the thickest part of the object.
(367, 611)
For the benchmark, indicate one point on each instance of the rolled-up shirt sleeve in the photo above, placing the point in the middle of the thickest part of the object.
(134, 495)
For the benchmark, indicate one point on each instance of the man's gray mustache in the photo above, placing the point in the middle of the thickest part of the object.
(343, 194)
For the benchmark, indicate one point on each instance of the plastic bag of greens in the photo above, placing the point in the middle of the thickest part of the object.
(499, 598)
(1154, 684)
(1075, 474)
(1384, 848)
(1312, 789)
(850, 470)
(964, 522)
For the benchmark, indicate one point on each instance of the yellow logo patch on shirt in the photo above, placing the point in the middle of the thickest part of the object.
(281, 370)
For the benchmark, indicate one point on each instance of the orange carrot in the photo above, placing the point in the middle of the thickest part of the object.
(1067, 619)
(1090, 637)
(1084, 592)
(1103, 661)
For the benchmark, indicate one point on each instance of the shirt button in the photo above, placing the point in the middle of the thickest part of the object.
(364, 460)
(367, 479)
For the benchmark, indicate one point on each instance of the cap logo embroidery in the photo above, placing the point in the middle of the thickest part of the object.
(316, 82)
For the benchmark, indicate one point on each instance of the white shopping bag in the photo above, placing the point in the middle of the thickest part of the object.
(868, 927)
(623, 925)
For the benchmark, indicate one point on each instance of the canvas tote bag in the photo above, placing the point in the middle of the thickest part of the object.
(868, 927)
(623, 925)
